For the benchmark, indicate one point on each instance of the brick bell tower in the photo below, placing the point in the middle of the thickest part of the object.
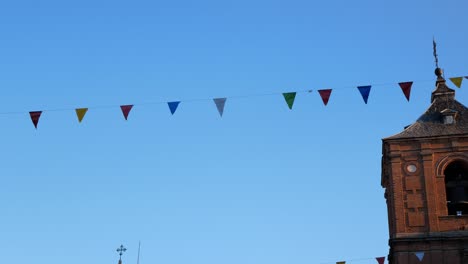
(425, 176)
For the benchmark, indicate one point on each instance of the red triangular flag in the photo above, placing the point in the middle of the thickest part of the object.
(126, 110)
(406, 88)
(380, 260)
(35, 115)
(325, 94)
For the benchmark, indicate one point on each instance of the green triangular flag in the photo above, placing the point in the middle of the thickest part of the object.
(457, 81)
(289, 97)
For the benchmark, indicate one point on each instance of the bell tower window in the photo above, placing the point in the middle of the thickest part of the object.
(456, 184)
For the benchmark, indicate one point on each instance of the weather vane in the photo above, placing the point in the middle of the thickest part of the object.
(121, 250)
(435, 52)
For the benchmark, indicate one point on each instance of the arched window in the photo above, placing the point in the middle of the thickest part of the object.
(456, 184)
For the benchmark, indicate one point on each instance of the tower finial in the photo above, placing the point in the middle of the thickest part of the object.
(434, 45)
(121, 250)
(438, 71)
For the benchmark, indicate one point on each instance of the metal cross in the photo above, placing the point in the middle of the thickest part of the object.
(121, 250)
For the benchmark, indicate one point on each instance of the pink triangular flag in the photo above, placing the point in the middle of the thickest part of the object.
(126, 110)
(419, 255)
(325, 94)
(380, 260)
(406, 89)
(35, 115)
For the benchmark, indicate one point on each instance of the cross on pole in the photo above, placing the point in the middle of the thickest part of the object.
(121, 250)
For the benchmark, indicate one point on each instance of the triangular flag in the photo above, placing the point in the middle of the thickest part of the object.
(457, 81)
(126, 110)
(365, 91)
(406, 88)
(420, 255)
(35, 115)
(289, 97)
(220, 102)
(466, 77)
(325, 94)
(380, 260)
(173, 106)
(80, 113)
(341, 262)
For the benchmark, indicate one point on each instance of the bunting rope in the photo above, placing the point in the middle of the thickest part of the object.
(419, 255)
(220, 102)
(380, 260)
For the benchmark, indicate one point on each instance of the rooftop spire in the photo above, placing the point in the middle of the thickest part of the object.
(438, 71)
(442, 90)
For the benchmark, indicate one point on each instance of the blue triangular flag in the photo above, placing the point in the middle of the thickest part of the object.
(420, 255)
(220, 102)
(364, 90)
(173, 106)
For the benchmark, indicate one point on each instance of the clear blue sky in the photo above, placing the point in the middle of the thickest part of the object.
(264, 184)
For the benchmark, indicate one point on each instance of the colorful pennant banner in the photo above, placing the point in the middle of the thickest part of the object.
(220, 102)
(406, 89)
(290, 97)
(126, 110)
(80, 113)
(325, 95)
(365, 91)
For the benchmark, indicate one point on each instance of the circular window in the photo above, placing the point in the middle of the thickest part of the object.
(411, 168)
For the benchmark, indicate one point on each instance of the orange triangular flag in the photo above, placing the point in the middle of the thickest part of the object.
(325, 94)
(406, 89)
(80, 113)
(457, 81)
(35, 115)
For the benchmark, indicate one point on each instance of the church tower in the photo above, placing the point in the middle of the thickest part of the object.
(425, 176)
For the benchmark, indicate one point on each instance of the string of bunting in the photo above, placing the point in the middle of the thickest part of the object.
(220, 103)
(419, 255)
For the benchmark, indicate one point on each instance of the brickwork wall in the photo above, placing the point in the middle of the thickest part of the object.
(413, 175)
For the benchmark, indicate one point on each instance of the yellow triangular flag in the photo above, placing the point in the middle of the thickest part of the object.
(457, 81)
(80, 113)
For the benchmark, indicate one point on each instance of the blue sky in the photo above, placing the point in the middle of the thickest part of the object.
(263, 184)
